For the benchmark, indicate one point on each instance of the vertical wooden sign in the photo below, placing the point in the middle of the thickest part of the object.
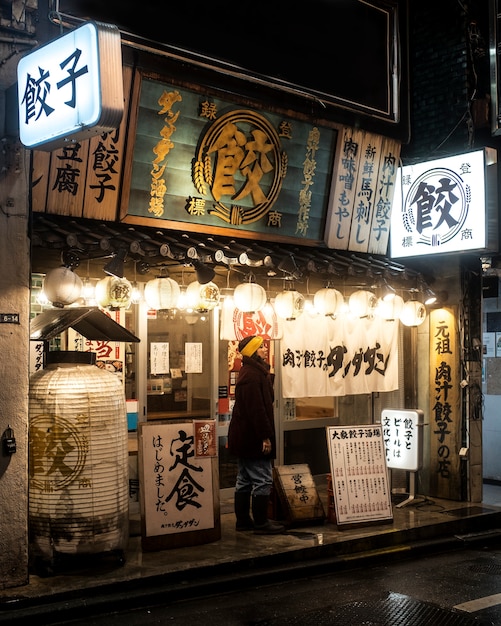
(83, 178)
(383, 200)
(344, 179)
(445, 410)
(365, 192)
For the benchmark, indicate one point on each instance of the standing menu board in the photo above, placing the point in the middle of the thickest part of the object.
(179, 491)
(359, 474)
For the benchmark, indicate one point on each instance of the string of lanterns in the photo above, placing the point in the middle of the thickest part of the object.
(63, 287)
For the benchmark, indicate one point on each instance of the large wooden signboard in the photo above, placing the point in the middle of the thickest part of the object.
(359, 474)
(178, 484)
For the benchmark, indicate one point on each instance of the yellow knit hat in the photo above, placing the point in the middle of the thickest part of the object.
(249, 345)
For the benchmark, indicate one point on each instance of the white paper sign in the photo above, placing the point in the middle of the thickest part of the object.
(193, 358)
(159, 358)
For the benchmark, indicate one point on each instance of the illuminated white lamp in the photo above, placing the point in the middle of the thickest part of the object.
(390, 309)
(289, 305)
(77, 436)
(181, 301)
(249, 297)
(309, 306)
(137, 296)
(202, 298)
(62, 286)
(162, 293)
(114, 293)
(413, 313)
(88, 291)
(387, 291)
(328, 301)
(362, 303)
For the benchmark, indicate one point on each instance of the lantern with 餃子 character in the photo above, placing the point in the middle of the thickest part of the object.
(78, 460)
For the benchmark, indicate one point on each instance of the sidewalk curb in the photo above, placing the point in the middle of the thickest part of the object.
(209, 580)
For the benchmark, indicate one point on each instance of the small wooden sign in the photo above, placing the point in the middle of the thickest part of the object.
(298, 494)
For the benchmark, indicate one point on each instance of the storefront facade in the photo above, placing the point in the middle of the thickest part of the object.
(219, 178)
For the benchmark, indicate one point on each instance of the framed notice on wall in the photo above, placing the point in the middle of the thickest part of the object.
(359, 474)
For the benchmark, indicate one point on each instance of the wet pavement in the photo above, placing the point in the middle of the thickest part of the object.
(425, 525)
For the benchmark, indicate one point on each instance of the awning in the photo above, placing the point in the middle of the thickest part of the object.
(58, 240)
(90, 322)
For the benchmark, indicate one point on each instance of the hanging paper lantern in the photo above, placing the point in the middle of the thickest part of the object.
(289, 305)
(114, 293)
(362, 303)
(161, 293)
(390, 309)
(202, 298)
(62, 286)
(328, 301)
(249, 297)
(413, 313)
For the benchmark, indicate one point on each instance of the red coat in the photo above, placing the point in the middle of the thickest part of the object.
(252, 420)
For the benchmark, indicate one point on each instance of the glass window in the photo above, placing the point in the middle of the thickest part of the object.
(179, 365)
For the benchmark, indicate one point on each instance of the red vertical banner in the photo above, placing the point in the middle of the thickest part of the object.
(445, 406)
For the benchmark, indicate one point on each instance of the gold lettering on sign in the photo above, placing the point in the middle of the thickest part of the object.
(208, 110)
(162, 148)
(240, 161)
(310, 165)
(445, 414)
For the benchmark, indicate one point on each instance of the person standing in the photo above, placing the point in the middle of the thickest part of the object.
(251, 438)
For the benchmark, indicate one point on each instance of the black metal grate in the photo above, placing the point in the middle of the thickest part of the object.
(396, 610)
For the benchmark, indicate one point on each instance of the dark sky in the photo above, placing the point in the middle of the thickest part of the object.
(324, 45)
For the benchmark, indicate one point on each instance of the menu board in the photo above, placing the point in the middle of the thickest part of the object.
(360, 481)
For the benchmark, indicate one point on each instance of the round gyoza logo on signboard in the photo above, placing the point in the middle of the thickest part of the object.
(239, 159)
(436, 206)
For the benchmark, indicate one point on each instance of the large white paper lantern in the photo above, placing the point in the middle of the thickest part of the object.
(390, 309)
(162, 293)
(78, 459)
(289, 305)
(202, 298)
(362, 303)
(249, 297)
(328, 301)
(413, 313)
(114, 293)
(62, 286)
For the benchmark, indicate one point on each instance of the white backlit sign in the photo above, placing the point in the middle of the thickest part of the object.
(71, 88)
(403, 438)
(441, 206)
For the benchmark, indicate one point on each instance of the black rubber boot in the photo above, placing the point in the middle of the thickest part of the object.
(242, 508)
(263, 525)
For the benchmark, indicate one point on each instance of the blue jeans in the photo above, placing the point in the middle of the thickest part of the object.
(254, 476)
